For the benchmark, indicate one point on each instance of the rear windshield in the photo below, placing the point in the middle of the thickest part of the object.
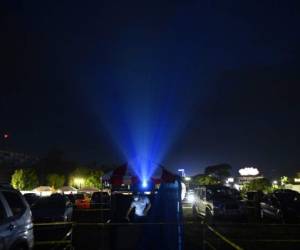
(79, 196)
(50, 203)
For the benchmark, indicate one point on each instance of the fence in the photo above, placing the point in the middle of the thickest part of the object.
(197, 234)
(251, 236)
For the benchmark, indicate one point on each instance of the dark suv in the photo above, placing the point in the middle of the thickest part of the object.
(282, 205)
(213, 201)
(16, 228)
(100, 200)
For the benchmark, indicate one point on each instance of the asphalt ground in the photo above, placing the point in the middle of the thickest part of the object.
(251, 234)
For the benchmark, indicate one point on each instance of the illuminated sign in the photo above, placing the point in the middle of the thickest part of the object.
(297, 180)
(248, 171)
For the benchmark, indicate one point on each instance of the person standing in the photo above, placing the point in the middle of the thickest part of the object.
(142, 205)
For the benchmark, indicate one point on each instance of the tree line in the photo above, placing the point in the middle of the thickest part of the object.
(217, 174)
(27, 179)
(55, 171)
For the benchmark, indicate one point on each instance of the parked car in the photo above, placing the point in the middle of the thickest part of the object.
(281, 205)
(31, 198)
(252, 201)
(82, 201)
(189, 197)
(53, 208)
(216, 201)
(16, 228)
(100, 200)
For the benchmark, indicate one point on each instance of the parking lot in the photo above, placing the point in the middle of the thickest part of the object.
(89, 230)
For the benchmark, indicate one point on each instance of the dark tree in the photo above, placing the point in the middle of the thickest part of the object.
(220, 171)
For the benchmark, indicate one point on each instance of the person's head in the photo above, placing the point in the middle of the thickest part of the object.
(136, 196)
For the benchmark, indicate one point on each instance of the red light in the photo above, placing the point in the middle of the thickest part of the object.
(6, 136)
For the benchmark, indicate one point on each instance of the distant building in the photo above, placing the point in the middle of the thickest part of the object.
(248, 174)
(9, 161)
(181, 172)
(241, 180)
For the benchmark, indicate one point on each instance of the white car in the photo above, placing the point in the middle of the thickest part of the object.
(16, 227)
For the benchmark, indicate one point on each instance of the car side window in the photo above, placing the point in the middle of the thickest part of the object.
(3, 214)
(15, 202)
(203, 194)
(266, 199)
(199, 193)
(274, 201)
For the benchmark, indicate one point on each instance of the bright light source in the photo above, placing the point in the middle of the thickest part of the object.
(248, 171)
(297, 180)
(78, 181)
(275, 182)
(187, 178)
(6, 136)
(181, 170)
(144, 184)
(237, 186)
(191, 198)
(230, 180)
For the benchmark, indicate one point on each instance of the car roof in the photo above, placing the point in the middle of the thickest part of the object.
(4, 187)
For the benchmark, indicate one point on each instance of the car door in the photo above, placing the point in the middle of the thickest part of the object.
(203, 200)
(266, 205)
(197, 200)
(274, 207)
(5, 229)
(17, 208)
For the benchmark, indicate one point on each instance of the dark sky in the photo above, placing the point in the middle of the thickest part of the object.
(226, 74)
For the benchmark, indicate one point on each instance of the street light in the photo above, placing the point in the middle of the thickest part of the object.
(187, 178)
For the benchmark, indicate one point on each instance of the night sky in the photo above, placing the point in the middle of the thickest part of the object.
(201, 82)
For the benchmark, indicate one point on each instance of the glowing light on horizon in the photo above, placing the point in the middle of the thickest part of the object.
(248, 171)
(144, 184)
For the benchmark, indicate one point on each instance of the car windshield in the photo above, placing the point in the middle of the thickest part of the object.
(218, 193)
